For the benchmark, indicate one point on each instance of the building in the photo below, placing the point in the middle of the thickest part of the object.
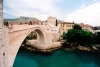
(51, 26)
(58, 28)
(86, 27)
(36, 22)
(65, 26)
(95, 31)
(43, 22)
(51, 20)
(14, 23)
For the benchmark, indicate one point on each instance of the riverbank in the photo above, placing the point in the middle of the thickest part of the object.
(33, 45)
(66, 48)
(84, 48)
(33, 48)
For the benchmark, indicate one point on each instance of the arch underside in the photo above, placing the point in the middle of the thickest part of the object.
(40, 36)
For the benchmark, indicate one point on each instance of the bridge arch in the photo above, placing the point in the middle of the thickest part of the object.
(17, 37)
(40, 33)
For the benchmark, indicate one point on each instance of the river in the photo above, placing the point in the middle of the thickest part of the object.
(58, 58)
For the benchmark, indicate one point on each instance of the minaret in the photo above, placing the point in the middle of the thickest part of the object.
(3, 42)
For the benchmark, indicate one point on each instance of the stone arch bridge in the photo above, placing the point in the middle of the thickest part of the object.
(17, 34)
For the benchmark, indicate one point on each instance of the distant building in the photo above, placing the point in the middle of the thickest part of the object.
(96, 28)
(10, 24)
(86, 27)
(65, 26)
(14, 23)
(36, 23)
(61, 26)
(44, 22)
(95, 31)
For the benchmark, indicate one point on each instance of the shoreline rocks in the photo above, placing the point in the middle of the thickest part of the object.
(73, 48)
(66, 48)
(31, 48)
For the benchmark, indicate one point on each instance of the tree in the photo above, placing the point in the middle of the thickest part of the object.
(31, 36)
(56, 22)
(64, 35)
(20, 23)
(78, 36)
(96, 28)
(76, 26)
(30, 23)
(86, 38)
(97, 38)
(6, 23)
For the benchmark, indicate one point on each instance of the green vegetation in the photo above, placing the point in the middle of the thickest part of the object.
(96, 38)
(64, 35)
(78, 36)
(20, 23)
(6, 23)
(30, 23)
(76, 26)
(31, 37)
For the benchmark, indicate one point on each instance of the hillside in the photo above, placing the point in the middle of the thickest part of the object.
(21, 19)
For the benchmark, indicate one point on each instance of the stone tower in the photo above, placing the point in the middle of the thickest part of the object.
(3, 42)
(52, 20)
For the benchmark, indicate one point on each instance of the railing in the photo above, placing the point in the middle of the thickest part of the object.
(19, 27)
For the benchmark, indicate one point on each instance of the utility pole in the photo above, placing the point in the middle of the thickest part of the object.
(3, 42)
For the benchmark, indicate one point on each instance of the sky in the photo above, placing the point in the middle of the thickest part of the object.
(79, 11)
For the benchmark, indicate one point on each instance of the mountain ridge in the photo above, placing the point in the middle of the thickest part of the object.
(21, 19)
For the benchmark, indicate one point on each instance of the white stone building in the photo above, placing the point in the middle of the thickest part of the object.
(51, 23)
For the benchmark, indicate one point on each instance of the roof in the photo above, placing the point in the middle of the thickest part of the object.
(66, 22)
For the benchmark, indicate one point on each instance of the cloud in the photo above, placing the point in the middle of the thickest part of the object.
(88, 14)
(94, 1)
(40, 9)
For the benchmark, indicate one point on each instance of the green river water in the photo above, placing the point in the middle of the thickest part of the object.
(58, 58)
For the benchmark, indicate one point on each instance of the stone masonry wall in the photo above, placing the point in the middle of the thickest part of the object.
(52, 20)
(3, 42)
